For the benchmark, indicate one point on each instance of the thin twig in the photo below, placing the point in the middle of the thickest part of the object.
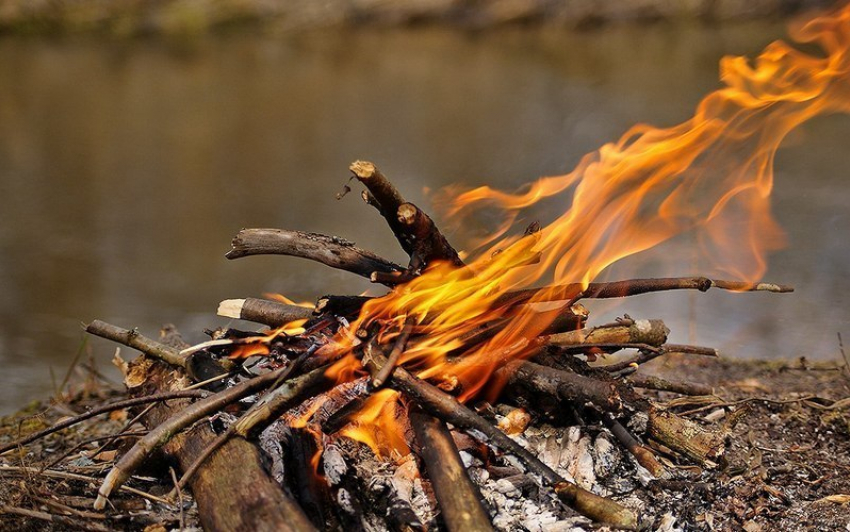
(392, 360)
(179, 497)
(82, 478)
(118, 405)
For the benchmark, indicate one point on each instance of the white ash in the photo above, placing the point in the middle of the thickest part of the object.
(334, 464)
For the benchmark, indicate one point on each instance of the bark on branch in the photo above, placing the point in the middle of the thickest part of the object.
(329, 250)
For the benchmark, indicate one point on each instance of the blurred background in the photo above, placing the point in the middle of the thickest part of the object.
(136, 138)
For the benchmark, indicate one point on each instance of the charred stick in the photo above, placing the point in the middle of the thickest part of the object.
(330, 250)
(458, 497)
(568, 386)
(642, 454)
(302, 455)
(271, 313)
(395, 355)
(427, 244)
(652, 382)
(343, 306)
(118, 405)
(132, 338)
(160, 435)
(632, 287)
(447, 408)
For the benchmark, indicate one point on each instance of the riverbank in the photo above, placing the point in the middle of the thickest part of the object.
(123, 18)
(785, 468)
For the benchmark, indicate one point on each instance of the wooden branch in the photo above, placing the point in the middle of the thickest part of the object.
(383, 196)
(642, 454)
(330, 250)
(343, 306)
(686, 437)
(458, 497)
(652, 382)
(568, 386)
(161, 434)
(261, 414)
(444, 406)
(271, 313)
(427, 243)
(132, 338)
(649, 332)
(632, 287)
(232, 490)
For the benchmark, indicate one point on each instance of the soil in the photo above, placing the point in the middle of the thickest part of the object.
(786, 467)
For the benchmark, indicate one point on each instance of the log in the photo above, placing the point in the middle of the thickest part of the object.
(459, 499)
(232, 490)
(568, 386)
(271, 313)
(648, 332)
(329, 250)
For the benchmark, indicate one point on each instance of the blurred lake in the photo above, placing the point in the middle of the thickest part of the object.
(126, 168)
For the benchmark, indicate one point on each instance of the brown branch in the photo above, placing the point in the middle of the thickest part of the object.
(329, 250)
(382, 195)
(132, 338)
(427, 243)
(271, 313)
(458, 497)
(392, 360)
(249, 500)
(259, 415)
(652, 382)
(686, 436)
(160, 435)
(568, 386)
(642, 454)
(631, 287)
(650, 332)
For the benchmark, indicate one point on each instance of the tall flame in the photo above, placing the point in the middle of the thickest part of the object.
(712, 173)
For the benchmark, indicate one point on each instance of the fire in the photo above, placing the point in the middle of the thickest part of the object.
(711, 174)
(376, 425)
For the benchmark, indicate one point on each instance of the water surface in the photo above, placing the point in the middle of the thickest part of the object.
(125, 169)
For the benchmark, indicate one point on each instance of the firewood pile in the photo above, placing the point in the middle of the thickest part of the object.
(409, 411)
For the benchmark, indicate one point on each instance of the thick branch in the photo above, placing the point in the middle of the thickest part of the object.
(459, 499)
(427, 243)
(271, 313)
(330, 250)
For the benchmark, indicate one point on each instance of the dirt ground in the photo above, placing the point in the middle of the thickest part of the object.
(786, 468)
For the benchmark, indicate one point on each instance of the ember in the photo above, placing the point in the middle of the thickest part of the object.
(463, 359)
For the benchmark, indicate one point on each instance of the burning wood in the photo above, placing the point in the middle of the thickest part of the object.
(407, 373)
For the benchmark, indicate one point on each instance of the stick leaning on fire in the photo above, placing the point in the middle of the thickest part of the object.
(547, 365)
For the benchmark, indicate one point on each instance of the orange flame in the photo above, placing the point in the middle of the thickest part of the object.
(711, 174)
(377, 425)
(259, 345)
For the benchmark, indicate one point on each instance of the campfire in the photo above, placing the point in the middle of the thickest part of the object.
(478, 378)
